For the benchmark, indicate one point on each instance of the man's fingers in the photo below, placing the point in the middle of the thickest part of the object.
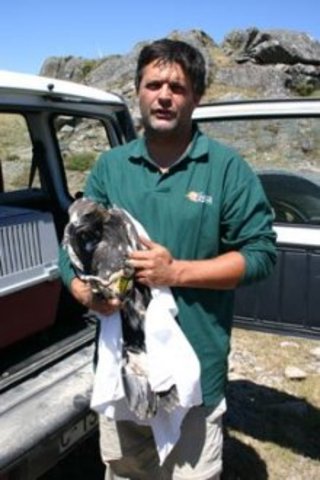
(106, 307)
(147, 242)
(139, 264)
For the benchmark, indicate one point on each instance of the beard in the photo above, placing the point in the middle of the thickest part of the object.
(163, 125)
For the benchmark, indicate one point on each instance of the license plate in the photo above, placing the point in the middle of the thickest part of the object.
(77, 431)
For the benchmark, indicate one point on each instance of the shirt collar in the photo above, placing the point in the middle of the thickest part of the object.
(197, 149)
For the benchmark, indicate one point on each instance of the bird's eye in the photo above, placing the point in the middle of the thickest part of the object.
(84, 236)
(87, 217)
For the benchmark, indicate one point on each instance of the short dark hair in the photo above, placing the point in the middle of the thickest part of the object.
(188, 57)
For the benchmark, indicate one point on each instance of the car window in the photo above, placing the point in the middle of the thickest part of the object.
(81, 140)
(17, 167)
(285, 152)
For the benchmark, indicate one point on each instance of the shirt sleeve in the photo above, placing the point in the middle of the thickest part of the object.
(67, 272)
(247, 222)
(95, 187)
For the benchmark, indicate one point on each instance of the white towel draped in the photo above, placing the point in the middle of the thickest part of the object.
(171, 361)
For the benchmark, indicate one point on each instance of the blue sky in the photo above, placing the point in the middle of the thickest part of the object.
(32, 30)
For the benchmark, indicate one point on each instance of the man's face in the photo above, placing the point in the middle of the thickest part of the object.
(166, 98)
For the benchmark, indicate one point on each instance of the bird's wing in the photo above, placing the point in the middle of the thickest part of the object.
(132, 234)
(67, 242)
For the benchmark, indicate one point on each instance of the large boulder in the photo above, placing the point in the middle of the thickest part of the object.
(272, 46)
(253, 81)
(67, 68)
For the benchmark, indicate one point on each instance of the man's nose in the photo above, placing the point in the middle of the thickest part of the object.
(165, 93)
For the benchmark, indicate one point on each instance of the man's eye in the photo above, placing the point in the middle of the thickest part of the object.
(177, 88)
(153, 85)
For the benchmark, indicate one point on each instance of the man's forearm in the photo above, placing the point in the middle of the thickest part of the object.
(222, 273)
(155, 266)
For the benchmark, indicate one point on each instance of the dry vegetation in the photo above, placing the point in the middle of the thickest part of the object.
(15, 151)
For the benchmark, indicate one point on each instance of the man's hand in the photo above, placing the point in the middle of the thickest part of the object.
(83, 293)
(154, 266)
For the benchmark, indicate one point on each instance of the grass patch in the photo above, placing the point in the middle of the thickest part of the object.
(220, 58)
(87, 66)
(80, 162)
(216, 91)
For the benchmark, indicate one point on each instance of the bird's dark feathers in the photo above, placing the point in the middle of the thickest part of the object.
(99, 241)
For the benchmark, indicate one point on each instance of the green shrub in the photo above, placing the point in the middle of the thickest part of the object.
(12, 157)
(305, 89)
(80, 162)
(88, 66)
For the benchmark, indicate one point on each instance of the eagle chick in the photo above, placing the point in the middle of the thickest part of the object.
(99, 241)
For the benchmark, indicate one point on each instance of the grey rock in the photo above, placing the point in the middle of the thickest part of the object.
(264, 81)
(272, 46)
(66, 68)
(295, 373)
(316, 352)
(248, 64)
(303, 79)
(288, 343)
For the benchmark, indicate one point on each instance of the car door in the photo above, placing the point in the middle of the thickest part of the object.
(281, 141)
(49, 142)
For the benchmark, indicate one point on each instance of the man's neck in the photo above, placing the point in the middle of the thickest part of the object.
(165, 150)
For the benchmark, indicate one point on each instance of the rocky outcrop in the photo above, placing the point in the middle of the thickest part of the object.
(67, 68)
(293, 57)
(248, 64)
(272, 46)
(254, 81)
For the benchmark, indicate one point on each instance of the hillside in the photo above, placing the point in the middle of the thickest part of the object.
(247, 64)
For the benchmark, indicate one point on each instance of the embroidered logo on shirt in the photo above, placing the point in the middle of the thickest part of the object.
(199, 197)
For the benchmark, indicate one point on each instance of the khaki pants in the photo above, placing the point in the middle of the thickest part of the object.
(129, 452)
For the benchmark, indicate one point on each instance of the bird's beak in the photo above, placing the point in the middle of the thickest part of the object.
(122, 285)
(122, 281)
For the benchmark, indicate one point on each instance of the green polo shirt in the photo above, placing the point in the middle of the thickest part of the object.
(208, 203)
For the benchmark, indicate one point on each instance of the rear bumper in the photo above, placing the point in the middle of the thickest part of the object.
(44, 417)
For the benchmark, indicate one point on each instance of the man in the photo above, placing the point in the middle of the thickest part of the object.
(210, 229)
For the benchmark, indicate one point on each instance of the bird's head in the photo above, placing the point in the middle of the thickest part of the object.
(99, 241)
(86, 223)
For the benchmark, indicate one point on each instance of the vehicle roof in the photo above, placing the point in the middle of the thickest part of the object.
(45, 86)
(258, 108)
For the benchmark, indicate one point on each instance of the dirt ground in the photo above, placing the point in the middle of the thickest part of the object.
(272, 427)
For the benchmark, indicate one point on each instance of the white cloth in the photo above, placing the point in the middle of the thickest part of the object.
(171, 361)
